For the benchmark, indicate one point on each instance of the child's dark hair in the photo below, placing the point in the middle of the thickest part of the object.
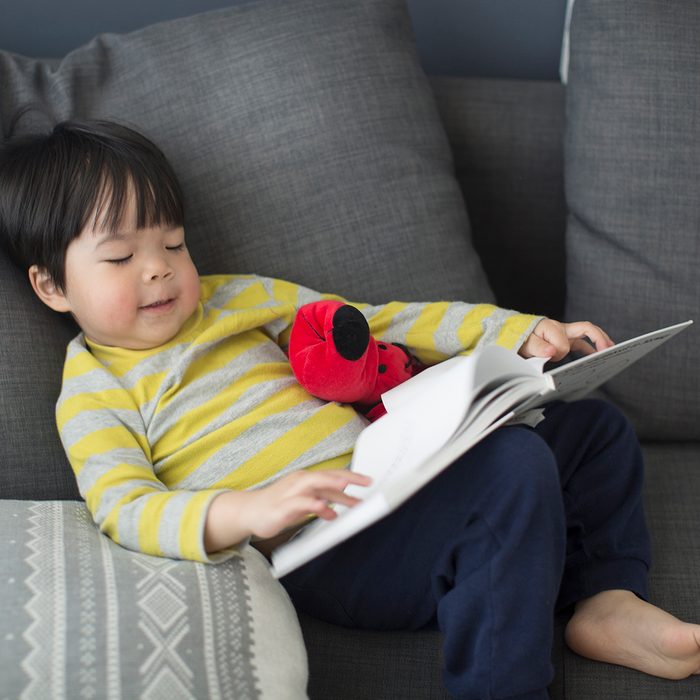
(53, 185)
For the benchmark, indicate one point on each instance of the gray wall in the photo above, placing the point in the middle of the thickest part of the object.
(510, 38)
(499, 38)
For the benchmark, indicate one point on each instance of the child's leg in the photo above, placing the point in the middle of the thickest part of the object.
(608, 549)
(602, 474)
(480, 550)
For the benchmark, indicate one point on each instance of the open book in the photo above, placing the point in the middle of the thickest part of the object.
(441, 413)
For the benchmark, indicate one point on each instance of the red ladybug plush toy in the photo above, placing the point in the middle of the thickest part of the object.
(335, 358)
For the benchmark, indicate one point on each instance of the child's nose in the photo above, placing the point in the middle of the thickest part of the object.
(157, 268)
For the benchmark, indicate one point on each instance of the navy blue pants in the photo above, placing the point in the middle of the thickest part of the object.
(525, 524)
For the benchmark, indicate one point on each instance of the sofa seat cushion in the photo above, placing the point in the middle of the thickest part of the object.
(82, 617)
(632, 174)
(671, 502)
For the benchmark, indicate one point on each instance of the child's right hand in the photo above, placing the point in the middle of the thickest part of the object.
(266, 512)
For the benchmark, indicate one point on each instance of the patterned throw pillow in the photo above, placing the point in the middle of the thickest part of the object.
(82, 617)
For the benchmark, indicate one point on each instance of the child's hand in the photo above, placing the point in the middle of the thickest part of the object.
(266, 512)
(273, 508)
(555, 340)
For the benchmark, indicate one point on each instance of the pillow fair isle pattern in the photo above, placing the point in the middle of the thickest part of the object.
(82, 617)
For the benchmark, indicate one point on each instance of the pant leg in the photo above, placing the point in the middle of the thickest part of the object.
(601, 469)
(480, 550)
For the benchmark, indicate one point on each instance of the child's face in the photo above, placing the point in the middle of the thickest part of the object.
(134, 290)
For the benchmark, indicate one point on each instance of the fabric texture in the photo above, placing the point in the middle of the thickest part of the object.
(632, 173)
(506, 136)
(305, 135)
(672, 487)
(409, 672)
(95, 620)
(309, 147)
(32, 351)
(154, 435)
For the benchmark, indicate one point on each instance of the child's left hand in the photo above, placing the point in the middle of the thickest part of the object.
(556, 340)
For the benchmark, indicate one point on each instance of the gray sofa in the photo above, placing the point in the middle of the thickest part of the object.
(311, 147)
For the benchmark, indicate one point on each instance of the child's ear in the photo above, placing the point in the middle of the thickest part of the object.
(45, 288)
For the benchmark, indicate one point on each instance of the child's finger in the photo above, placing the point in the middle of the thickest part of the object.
(303, 506)
(357, 478)
(344, 477)
(584, 329)
(338, 497)
(583, 347)
(311, 481)
(535, 346)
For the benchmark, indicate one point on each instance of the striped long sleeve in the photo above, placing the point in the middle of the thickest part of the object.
(106, 439)
(433, 331)
(154, 435)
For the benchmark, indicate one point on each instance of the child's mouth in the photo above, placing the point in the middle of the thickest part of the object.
(160, 305)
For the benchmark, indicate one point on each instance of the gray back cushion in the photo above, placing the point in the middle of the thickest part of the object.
(632, 177)
(309, 147)
(507, 137)
(32, 349)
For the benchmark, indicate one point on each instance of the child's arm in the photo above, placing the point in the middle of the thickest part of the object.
(438, 330)
(435, 331)
(432, 331)
(105, 440)
(233, 516)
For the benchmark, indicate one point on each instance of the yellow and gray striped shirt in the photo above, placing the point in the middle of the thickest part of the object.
(154, 435)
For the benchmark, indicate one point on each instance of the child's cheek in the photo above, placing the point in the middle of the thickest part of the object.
(119, 305)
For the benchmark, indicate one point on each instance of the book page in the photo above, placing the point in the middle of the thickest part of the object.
(428, 410)
(471, 373)
(422, 415)
(581, 376)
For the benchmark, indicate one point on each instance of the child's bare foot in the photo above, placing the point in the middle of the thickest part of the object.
(620, 628)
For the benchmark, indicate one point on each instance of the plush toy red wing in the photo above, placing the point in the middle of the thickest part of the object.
(335, 358)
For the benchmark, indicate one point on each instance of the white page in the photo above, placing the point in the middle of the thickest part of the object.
(581, 376)
(420, 419)
(412, 392)
(470, 372)
(508, 402)
(321, 535)
(427, 410)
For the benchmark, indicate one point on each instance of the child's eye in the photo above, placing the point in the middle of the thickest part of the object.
(120, 261)
(180, 246)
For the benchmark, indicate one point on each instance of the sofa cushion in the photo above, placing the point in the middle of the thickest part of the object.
(632, 173)
(33, 345)
(96, 620)
(671, 502)
(507, 139)
(309, 147)
(305, 134)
